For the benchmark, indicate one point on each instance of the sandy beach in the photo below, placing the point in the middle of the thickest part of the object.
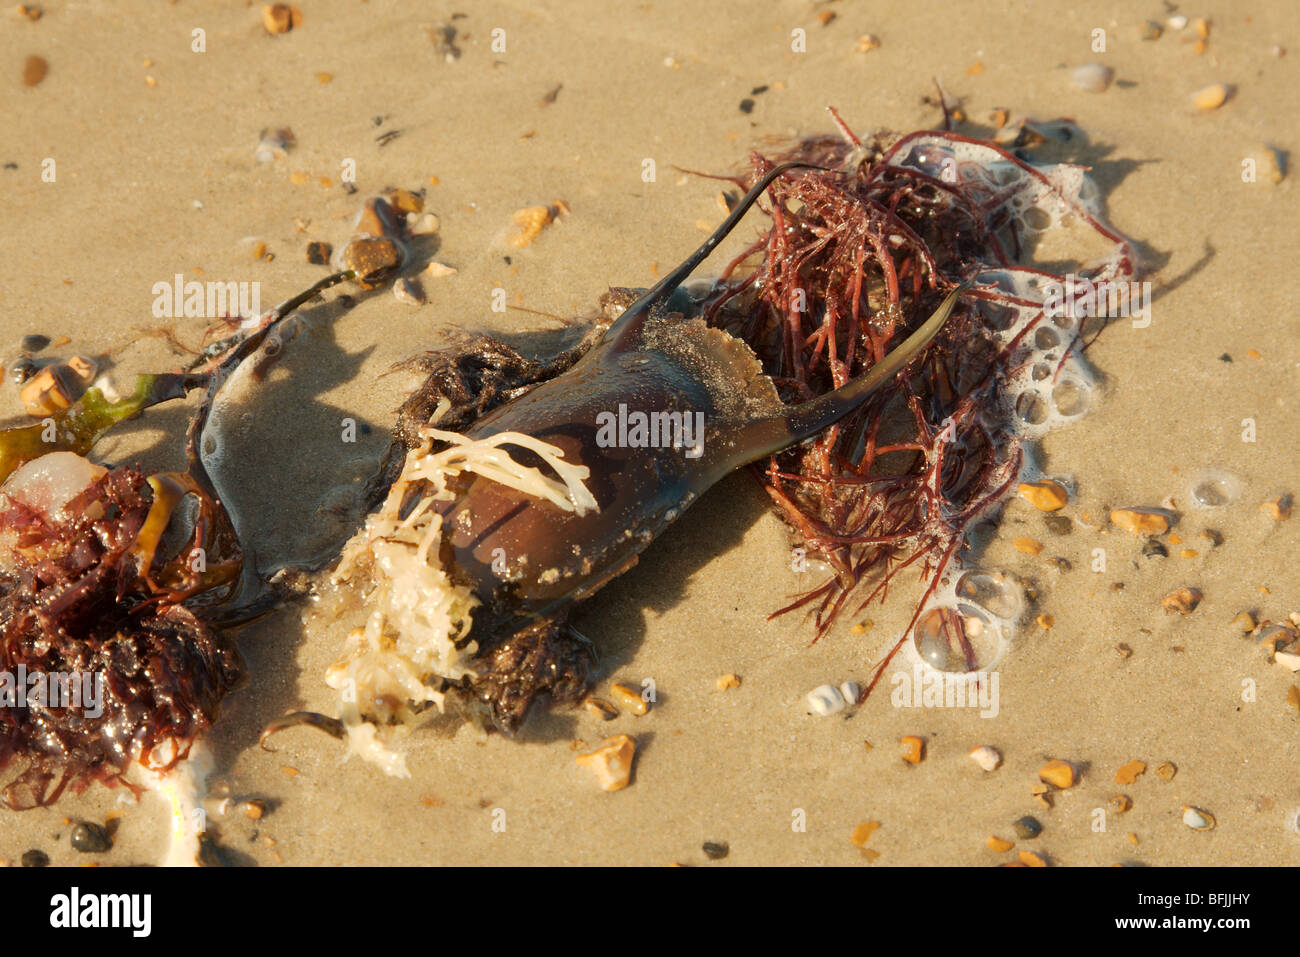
(155, 175)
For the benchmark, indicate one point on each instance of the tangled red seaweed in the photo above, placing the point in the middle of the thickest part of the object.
(856, 256)
(88, 597)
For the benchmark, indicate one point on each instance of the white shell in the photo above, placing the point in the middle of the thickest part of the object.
(825, 699)
(1092, 77)
(850, 692)
(986, 757)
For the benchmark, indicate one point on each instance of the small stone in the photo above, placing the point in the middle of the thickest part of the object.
(90, 838)
(1201, 27)
(1058, 524)
(1092, 77)
(1289, 660)
(34, 70)
(404, 201)
(1197, 819)
(423, 225)
(611, 762)
(862, 627)
(862, 833)
(280, 18)
(1029, 546)
(1268, 163)
(35, 858)
(1150, 30)
(1059, 774)
(997, 845)
(1211, 97)
(1166, 770)
(254, 809)
(372, 258)
(1181, 600)
(868, 42)
(1119, 803)
(1141, 521)
(727, 682)
(1293, 698)
(600, 708)
(1211, 536)
(716, 850)
(629, 699)
(1278, 509)
(1130, 772)
(913, 748)
(1244, 622)
(824, 700)
(1045, 621)
(319, 253)
(21, 369)
(1027, 828)
(404, 290)
(1032, 859)
(986, 757)
(1045, 495)
(34, 342)
(1177, 21)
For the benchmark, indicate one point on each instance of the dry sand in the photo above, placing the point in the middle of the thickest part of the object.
(135, 160)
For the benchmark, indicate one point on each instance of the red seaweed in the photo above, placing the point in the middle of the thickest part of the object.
(855, 257)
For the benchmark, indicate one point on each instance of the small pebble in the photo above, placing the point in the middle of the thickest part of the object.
(1029, 546)
(986, 757)
(1032, 859)
(1120, 803)
(610, 762)
(1027, 828)
(726, 682)
(1268, 163)
(1141, 521)
(1197, 819)
(1244, 622)
(1092, 77)
(1181, 600)
(998, 845)
(868, 42)
(629, 699)
(1150, 30)
(1154, 549)
(423, 225)
(90, 838)
(1046, 495)
(318, 253)
(1211, 97)
(1166, 770)
(913, 748)
(34, 342)
(1177, 21)
(280, 18)
(35, 858)
(34, 70)
(1130, 772)
(716, 850)
(529, 223)
(274, 144)
(1059, 524)
(825, 699)
(1059, 774)
(862, 833)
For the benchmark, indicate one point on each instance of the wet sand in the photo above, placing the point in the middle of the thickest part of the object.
(661, 81)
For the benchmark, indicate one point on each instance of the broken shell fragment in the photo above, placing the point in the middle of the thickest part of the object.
(1278, 509)
(986, 757)
(280, 18)
(52, 389)
(611, 762)
(529, 223)
(404, 290)
(1197, 819)
(437, 270)
(601, 709)
(274, 144)
(1181, 600)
